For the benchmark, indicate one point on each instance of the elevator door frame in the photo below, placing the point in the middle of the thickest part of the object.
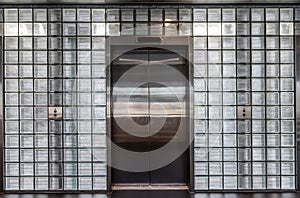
(168, 43)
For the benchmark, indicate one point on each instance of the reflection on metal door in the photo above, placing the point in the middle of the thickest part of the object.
(147, 117)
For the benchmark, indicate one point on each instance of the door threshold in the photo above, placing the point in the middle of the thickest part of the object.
(149, 187)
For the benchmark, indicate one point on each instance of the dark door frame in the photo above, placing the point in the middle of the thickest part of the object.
(134, 42)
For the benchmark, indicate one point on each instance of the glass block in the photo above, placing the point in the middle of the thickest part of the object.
(200, 56)
(200, 29)
(69, 15)
(141, 29)
(215, 126)
(244, 168)
(11, 43)
(201, 168)
(40, 43)
(228, 14)
(229, 70)
(127, 29)
(156, 15)
(287, 126)
(25, 15)
(98, 15)
(156, 28)
(230, 154)
(230, 168)
(171, 29)
(113, 29)
(200, 112)
(11, 85)
(83, 29)
(141, 14)
(287, 98)
(83, 15)
(243, 70)
(40, 57)
(200, 126)
(214, 56)
(40, 14)
(272, 70)
(214, 70)
(11, 113)
(258, 112)
(11, 29)
(229, 43)
(286, 14)
(258, 126)
(25, 29)
(185, 14)
(199, 14)
(287, 84)
(171, 15)
(258, 140)
(287, 57)
(257, 14)
(10, 15)
(214, 29)
(215, 168)
(40, 29)
(214, 14)
(69, 29)
(272, 112)
(273, 140)
(229, 84)
(258, 29)
(288, 182)
(286, 70)
(273, 126)
(258, 98)
(25, 57)
(258, 42)
(112, 15)
(243, 42)
(11, 57)
(229, 98)
(70, 58)
(26, 99)
(272, 14)
(286, 42)
(200, 98)
(11, 141)
(229, 127)
(272, 84)
(243, 56)
(185, 29)
(243, 98)
(201, 183)
(229, 140)
(287, 154)
(272, 56)
(55, 43)
(11, 99)
(11, 127)
(200, 42)
(273, 98)
(287, 112)
(286, 28)
(287, 168)
(287, 140)
(214, 84)
(215, 113)
(243, 14)
(273, 28)
(215, 154)
(258, 155)
(258, 56)
(228, 29)
(243, 84)
(272, 42)
(26, 113)
(214, 42)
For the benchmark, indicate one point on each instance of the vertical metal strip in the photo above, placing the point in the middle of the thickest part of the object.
(297, 51)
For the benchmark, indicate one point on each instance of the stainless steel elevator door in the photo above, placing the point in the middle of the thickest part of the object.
(159, 107)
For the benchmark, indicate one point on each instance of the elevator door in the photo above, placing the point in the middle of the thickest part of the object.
(149, 105)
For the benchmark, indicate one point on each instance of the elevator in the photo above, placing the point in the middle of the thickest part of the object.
(149, 104)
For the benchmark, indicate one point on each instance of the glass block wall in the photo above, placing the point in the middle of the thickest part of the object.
(243, 60)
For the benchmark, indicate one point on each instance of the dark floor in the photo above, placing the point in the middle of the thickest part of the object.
(157, 194)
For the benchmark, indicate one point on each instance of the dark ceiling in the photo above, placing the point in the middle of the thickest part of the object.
(149, 2)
